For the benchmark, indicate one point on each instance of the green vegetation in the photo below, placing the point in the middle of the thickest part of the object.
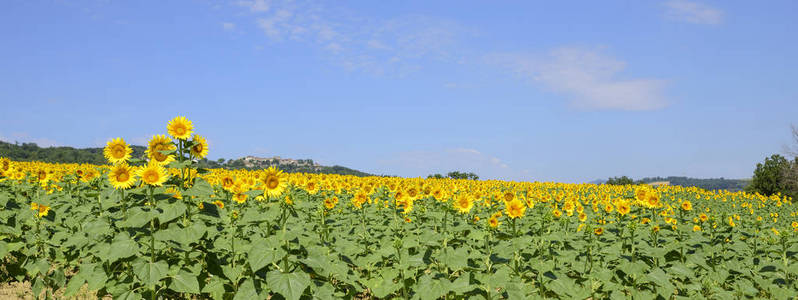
(623, 180)
(732, 185)
(776, 175)
(32, 152)
(455, 175)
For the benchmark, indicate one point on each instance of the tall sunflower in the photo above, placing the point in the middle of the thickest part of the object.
(180, 128)
(157, 144)
(117, 151)
(463, 203)
(121, 176)
(515, 209)
(274, 182)
(200, 148)
(153, 174)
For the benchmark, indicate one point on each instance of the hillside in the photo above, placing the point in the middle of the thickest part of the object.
(732, 185)
(32, 152)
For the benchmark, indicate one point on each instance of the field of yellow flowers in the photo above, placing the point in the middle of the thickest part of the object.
(159, 227)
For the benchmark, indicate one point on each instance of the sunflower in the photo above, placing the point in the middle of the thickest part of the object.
(117, 151)
(228, 182)
(121, 176)
(493, 222)
(41, 209)
(329, 203)
(157, 144)
(240, 198)
(599, 231)
(463, 203)
(153, 174)
(180, 128)
(515, 209)
(624, 208)
(200, 147)
(687, 205)
(274, 182)
(5, 165)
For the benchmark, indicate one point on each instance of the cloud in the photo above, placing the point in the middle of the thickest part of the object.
(228, 26)
(423, 163)
(587, 76)
(361, 43)
(693, 12)
(256, 5)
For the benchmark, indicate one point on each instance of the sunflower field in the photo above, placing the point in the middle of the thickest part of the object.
(158, 227)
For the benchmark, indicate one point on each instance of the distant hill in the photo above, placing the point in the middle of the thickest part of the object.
(32, 152)
(732, 185)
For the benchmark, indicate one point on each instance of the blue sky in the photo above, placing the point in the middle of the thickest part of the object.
(519, 90)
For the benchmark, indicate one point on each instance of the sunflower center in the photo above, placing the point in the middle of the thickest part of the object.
(122, 177)
(151, 177)
(180, 130)
(198, 148)
(272, 183)
(119, 152)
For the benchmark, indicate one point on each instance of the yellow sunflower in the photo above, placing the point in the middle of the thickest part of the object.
(515, 208)
(153, 174)
(463, 203)
(157, 144)
(274, 182)
(117, 151)
(180, 128)
(40, 208)
(121, 176)
(5, 165)
(200, 148)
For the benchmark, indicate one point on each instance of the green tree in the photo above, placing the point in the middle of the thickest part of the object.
(623, 180)
(770, 177)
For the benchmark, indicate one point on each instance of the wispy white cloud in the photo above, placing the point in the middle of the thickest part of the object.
(228, 26)
(693, 12)
(588, 77)
(358, 42)
(255, 5)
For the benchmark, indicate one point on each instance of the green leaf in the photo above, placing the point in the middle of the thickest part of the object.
(171, 211)
(122, 247)
(74, 285)
(461, 285)
(201, 188)
(262, 254)
(289, 285)
(661, 279)
(382, 287)
(430, 288)
(215, 288)
(129, 295)
(246, 291)
(185, 282)
(136, 217)
(150, 273)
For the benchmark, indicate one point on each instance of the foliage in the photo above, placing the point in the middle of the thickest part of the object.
(772, 176)
(262, 234)
(455, 175)
(623, 180)
(32, 152)
(733, 185)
